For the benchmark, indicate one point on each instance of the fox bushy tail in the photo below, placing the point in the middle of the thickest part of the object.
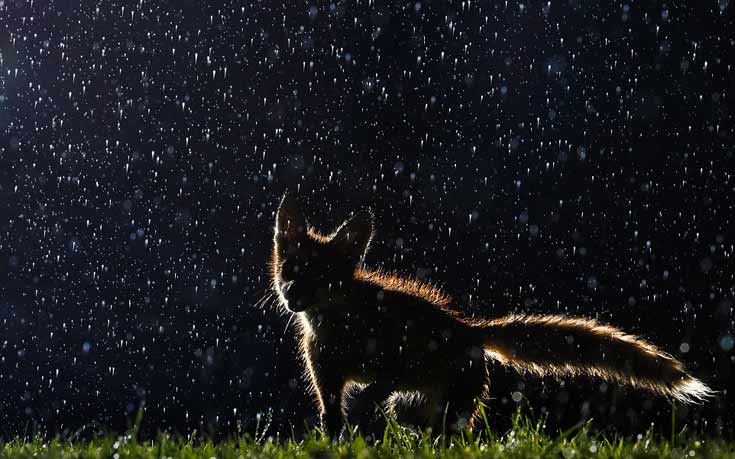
(566, 346)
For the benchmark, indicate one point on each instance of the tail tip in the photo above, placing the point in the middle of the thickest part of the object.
(690, 390)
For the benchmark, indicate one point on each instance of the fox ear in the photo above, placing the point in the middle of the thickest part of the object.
(290, 220)
(354, 235)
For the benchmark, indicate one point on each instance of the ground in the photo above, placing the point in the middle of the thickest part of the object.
(527, 439)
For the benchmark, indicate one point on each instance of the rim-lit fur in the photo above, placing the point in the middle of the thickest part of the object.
(400, 343)
(551, 345)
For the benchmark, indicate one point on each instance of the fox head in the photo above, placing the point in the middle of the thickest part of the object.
(310, 270)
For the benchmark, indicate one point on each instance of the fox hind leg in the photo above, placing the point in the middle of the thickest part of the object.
(447, 405)
(368, 407)
(417, 408)
(463, 395)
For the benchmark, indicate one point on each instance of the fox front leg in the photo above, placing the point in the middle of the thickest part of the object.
(368, 401)
(329, 385)
(330, 393)
(366, 407)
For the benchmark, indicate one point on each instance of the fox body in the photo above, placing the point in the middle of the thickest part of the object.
(403, 340)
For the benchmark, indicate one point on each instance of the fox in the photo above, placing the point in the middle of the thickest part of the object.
(404, 342)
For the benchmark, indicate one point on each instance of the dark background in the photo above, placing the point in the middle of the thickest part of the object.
(567, 156)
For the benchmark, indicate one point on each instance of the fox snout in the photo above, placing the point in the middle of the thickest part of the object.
(300, 295)
(288, 298)
(293, 300)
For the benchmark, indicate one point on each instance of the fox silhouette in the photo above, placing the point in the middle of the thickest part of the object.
(405, 343)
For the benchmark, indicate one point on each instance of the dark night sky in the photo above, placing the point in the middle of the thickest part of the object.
(566, 156)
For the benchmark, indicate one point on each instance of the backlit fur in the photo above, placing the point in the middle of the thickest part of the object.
(399, 342)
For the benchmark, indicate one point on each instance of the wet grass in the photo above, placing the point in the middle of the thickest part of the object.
(527, 439)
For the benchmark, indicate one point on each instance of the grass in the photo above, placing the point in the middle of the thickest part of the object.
(526, 439)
